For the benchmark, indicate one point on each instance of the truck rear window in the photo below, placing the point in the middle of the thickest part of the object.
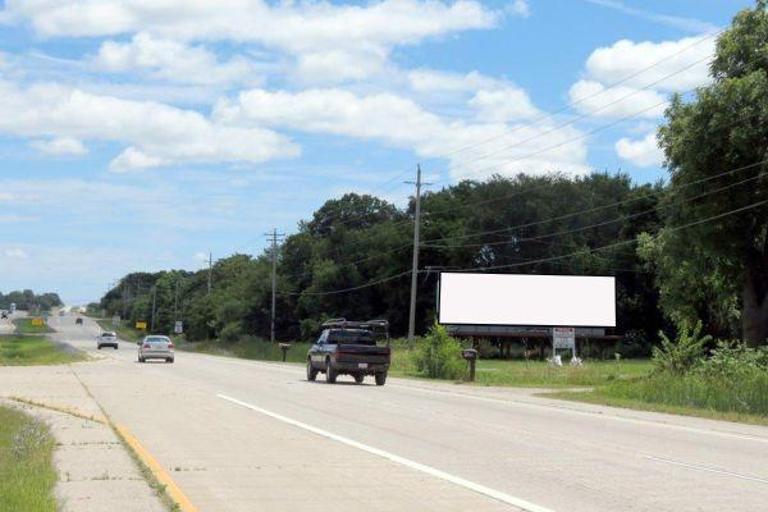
(352, 337)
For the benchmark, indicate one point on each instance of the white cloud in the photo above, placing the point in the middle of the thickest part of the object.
(173, 61)
(156, 134)
(400, 122)
(7, 196)
(643, 153)
(502, 105)
(520, 8)
(685, 63)
(492, 99)
(16, 253)
(616, 102)
(431, 80)
(313, 32)
(340, 65)
(60, 146)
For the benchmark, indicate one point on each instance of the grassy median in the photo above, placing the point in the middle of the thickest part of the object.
(16, 350)
(27, 475)
(26, 326)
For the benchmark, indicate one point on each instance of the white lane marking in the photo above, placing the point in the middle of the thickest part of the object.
(603, 415)
(708, 469)
(565, 409)
(481, 489)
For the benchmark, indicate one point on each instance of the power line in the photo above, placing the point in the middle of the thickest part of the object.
(593, 209)
(617, 244)
(590, 96)
(601, 223)
(583, 116)
(352, 288)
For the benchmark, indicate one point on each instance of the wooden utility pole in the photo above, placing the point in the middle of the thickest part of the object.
(274, 237)
(210, 272)
(415, 263)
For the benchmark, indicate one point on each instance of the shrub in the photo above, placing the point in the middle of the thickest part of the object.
(231, 332)
(680, 356)
(438, 355)
(633, 345)
(733, 361)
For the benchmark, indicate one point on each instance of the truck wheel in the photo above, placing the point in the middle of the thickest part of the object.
(311, 372)
(359, 377)
(330, 373)
(381, 378)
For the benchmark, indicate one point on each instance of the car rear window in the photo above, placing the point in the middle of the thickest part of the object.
(157, 340)
(358, 337)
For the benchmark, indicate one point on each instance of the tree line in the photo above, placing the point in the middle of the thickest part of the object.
(351, 242)
(26, 300)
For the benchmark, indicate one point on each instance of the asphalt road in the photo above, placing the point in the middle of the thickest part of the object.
(242, 436)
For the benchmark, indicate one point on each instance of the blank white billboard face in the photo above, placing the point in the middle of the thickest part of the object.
(535, 300)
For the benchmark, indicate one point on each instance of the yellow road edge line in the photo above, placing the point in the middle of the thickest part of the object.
(60, 408)
(159, 472)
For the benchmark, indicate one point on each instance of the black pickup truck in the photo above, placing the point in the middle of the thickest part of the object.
(350, 348)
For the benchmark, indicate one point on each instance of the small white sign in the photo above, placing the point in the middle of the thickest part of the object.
(564, 337)
(178, 327)
(116, 321)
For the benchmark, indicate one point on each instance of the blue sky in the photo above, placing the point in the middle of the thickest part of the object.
(139, 135)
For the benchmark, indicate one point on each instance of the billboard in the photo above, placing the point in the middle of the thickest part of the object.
(525, 299)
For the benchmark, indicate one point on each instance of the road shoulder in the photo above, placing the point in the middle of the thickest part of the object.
(95, 470)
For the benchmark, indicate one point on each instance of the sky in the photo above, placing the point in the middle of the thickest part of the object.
(141, 135)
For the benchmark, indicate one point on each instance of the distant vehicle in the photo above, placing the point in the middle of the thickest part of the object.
(106, 339)
(156, 347)
(3, 314)
(350, 348)
(78, 321)
(13, 307)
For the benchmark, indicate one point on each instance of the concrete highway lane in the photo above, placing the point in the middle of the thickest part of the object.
(241, 435)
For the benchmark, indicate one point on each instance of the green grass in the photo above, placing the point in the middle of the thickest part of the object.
(499, 372)
(27, 475)
(600, 397)
(24, 326)
(738, 396)
(33, 350)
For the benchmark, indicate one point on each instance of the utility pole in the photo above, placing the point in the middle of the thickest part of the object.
(176, 301)
(273, 237)
(154, 304)
(210, 271)
(415, 265)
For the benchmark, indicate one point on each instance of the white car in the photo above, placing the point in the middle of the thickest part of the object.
(156, 347)
(107, 339)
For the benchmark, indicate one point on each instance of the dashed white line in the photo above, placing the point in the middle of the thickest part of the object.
(429, 470)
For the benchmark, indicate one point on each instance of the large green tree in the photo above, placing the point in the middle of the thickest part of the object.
(709, 266)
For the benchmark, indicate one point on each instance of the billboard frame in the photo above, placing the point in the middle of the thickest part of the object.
(440, 281)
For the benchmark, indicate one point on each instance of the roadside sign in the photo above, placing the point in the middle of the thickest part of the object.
(38, 322)
(116, 321)
(564, 337)
(142, 326)
(178, 327)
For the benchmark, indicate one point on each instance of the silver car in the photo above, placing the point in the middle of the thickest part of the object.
(107, 339)
(156, 347)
